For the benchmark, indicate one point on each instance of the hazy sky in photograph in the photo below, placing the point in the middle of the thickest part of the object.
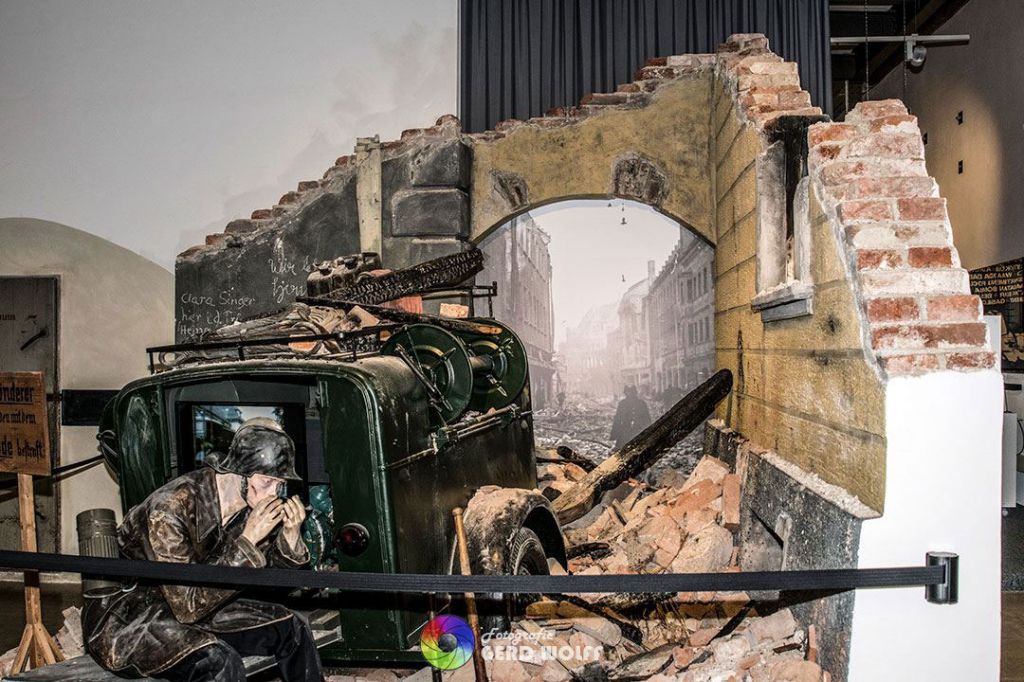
(594, 258)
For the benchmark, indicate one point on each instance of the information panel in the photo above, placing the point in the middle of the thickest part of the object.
(1001, 289)
(24, 431)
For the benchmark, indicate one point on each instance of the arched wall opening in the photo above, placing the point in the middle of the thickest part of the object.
(633, 311)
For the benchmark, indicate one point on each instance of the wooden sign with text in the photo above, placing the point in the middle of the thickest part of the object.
(24, 427)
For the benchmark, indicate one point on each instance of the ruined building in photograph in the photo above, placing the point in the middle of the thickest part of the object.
(516, 258)
(631, 340)
(680, 315)
(589, 369)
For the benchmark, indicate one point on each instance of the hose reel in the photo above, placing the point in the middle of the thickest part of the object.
(474, 372)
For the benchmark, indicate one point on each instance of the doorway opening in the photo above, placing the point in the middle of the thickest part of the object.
(615, 304)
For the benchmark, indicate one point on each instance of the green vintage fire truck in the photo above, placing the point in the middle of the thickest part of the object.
(395, 425)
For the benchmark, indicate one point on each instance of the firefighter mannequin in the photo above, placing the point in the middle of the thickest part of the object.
(229, 512)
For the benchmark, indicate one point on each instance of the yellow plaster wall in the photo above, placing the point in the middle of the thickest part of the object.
(576, 160)
(802, 387)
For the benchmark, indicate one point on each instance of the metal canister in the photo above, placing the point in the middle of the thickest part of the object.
(97, 537)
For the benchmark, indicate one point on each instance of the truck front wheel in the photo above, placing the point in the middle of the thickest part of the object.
(526, 557)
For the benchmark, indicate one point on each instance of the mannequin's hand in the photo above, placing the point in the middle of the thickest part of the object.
(294, 514)
(263, 519)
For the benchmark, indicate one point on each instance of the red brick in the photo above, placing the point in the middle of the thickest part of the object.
(342, 161)
(909, 186)
(956, 334)
(893, 309)
(761, 100)
(765, 64)
(831, 132)
(288, 198)
(507, 125)
(656, 61)
(872, 259)
(747, 81)
(872, 109)
(557, 111)
(306, 185)
(842, 172)
(911, 336)
(220, 239)
(922, 208)
(605, 98)
(897, 122)
(261, 214)
(932, 234)
(957, 308)
(448, 119)
(910, 364)
(826, 152)
(628, 87)
(887, 145)
(743, 64)
(241, 226)
(930, 257)
(654, 72)
(745, 41)
(865, 211)
(970, 360)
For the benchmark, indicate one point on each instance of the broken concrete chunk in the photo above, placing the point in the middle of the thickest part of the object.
(707, 469)
(776, 628)
(795, 671)
(642, 667)
(707, 551)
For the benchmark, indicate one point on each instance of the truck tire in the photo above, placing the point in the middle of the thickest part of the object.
(526, 557)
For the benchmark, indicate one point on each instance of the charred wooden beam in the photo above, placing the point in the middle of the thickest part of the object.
(641, 452)
(566, 455)
(405, 317)
(446, 271)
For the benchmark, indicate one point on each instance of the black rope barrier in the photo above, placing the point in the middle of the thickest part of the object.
(205, 574)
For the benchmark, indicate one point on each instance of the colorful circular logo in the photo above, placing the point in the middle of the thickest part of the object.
(447, 642)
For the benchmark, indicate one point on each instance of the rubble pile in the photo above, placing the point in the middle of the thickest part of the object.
(680, 524)
(583, 424)
(683, 524)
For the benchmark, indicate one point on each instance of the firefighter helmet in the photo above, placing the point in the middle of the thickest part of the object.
(260, 446)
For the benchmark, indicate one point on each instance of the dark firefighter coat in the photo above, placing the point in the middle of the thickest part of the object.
(631, 417)
(148, 629)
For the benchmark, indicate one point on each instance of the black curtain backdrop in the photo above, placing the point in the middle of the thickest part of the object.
(520, 58)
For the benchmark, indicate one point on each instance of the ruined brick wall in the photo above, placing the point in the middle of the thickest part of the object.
(871, 176)
(886, 293)
(878, 289)
(804, 387)
(407, 199)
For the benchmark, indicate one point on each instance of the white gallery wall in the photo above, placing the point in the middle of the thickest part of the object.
(153, 124)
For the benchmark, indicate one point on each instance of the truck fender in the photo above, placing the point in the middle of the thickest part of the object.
(494, 516)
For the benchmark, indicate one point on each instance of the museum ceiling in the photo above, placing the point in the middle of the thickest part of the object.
(851, 67)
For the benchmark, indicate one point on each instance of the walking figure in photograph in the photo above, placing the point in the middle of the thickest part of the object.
(631, 417)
